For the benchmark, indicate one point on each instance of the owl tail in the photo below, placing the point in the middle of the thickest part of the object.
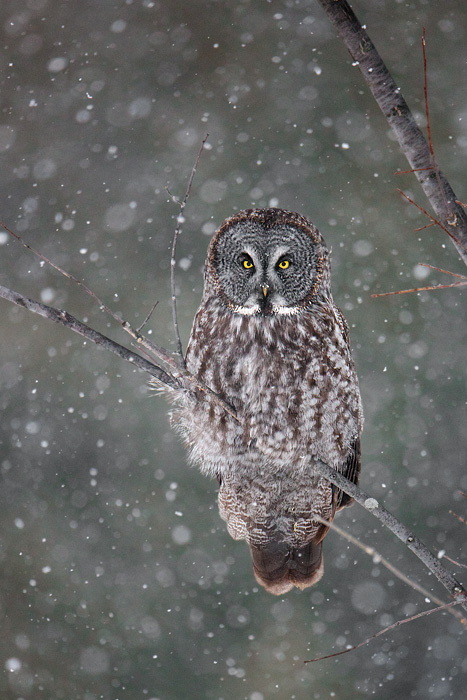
(279, 567)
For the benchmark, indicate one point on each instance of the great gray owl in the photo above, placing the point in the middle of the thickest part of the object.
(269, 340)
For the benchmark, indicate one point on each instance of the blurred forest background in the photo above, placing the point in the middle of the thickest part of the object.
(118, 578)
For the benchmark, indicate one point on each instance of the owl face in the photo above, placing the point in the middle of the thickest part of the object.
(268, 261)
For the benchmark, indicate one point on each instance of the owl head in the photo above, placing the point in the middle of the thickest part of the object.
(268, 261)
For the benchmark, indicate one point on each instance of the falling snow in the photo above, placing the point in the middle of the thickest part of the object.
(118, 578)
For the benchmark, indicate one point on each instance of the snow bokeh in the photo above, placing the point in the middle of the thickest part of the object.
(118, 577)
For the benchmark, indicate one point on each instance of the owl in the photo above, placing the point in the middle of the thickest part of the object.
(269, 340)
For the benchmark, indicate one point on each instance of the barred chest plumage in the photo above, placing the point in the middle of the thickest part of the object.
(288, 382)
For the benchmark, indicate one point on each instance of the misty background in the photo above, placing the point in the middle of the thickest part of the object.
(118, 578)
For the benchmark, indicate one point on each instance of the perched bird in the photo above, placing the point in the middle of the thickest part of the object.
(269, 340)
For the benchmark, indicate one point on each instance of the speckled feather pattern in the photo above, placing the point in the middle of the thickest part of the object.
(292, 382)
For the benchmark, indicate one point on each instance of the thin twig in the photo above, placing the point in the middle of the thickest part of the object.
(440, 269)
(138, 330)
(459, 517)
(66, 274)
(384, 631)
(428, 289)
(422, 228)
(173, 259)
(379, 559)
(420, 289)
(414, 170)
(453, 561)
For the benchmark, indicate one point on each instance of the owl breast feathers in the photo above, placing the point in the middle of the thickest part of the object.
(270, 342)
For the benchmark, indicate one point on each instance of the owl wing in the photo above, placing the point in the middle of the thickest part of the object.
(351, 472)
(352, 465)
(339, 316)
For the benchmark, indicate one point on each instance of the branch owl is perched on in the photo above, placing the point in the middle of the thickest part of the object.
(269, 340)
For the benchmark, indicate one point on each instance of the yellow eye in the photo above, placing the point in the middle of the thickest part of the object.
(247, 264)
(284, 264)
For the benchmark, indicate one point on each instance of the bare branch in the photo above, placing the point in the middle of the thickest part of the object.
(179, 379)
(455, 589)
(431, 288)
(453, 561)
(420, 289)
(66, 274)
(65, 319)
(379, 559)
(424, 211)
(440, 269)
(422, 228)
(459, 517)
(160, 352)
(395, 109)
(173, 259)
(138, 330)
(383, 631)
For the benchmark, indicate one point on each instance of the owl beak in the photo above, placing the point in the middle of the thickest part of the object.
(265, 288)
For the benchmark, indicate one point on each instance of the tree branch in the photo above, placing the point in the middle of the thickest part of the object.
(456, 590)
(398, 623)
(63, 318)
(180, 379)
(395, 109)
(379, 559)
